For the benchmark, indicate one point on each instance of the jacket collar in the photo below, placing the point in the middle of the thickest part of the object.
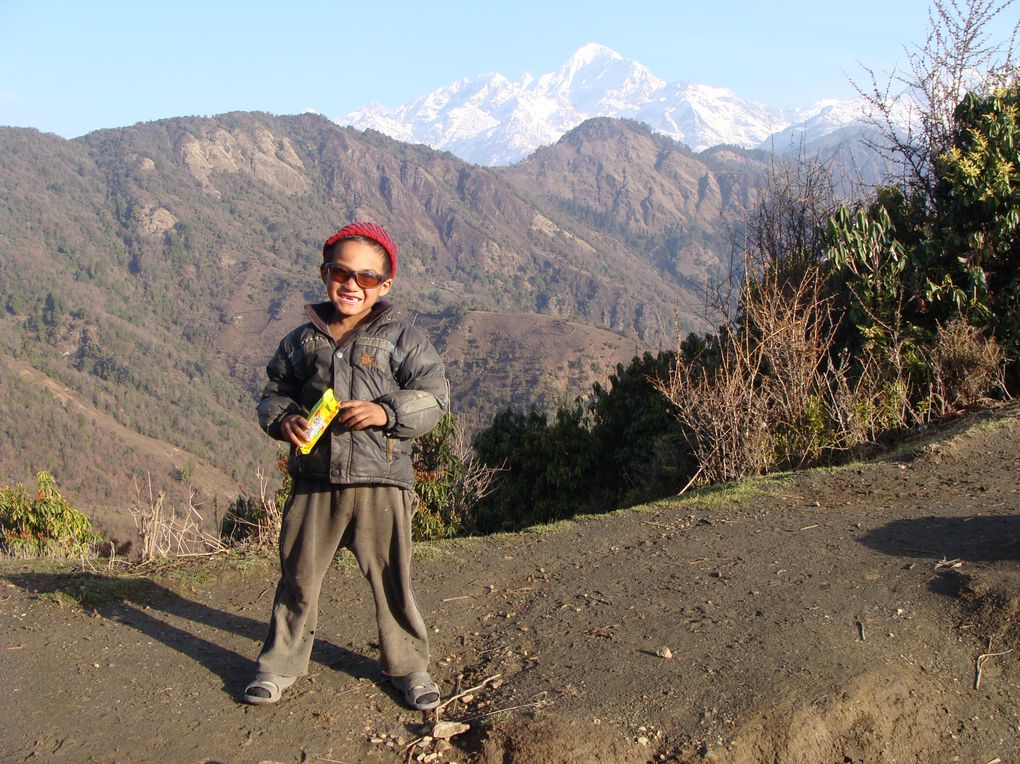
(319, 313)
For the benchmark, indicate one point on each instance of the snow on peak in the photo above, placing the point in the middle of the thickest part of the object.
(592, 50)
(491, 120)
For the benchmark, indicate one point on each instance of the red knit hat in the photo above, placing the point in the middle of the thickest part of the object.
(371, 231)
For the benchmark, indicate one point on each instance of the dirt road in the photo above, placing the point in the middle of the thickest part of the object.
(828, 616)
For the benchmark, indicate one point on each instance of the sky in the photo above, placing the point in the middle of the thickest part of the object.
(70, 67)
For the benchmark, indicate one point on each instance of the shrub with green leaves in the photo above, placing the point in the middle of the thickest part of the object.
(450, 482)
(44, 524)
(905, 264)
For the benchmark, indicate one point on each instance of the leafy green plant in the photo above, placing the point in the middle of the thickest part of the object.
(44, 524)
(450, 482)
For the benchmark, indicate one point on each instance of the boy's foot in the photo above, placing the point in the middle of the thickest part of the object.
(420, 692)
(267, 688)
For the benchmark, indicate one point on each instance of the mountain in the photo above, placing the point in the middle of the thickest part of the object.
(147, 273)
(491, 120)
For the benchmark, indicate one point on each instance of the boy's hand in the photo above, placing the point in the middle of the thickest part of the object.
(294, 428)
(360, 415)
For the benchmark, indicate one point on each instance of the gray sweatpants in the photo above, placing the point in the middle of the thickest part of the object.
(374, 522)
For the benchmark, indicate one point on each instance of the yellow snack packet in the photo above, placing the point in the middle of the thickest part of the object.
(318, 420)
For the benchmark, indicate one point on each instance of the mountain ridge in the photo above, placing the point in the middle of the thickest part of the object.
(492, 120)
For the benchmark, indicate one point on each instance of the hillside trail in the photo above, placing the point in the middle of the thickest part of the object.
(864, 614)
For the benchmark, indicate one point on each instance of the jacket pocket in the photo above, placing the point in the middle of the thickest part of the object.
(314, 463)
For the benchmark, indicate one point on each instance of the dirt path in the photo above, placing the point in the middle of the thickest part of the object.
(831, 616)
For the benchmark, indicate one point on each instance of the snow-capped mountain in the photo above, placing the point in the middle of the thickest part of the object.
(490, 120)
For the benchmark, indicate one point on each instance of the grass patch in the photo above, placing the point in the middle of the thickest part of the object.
(192, 571)
(729, 495)
(431, 550)
(67, 585)
(61, 599)
(554, 527)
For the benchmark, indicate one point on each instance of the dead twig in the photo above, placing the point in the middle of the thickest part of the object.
(468, 691)
(537, 703)
(691, 481)
(361, 687)
(979, 662)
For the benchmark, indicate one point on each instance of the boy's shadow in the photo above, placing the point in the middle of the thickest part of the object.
(978, 538)
(131, 602)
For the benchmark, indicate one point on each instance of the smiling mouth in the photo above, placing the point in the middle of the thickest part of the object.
(350, 298)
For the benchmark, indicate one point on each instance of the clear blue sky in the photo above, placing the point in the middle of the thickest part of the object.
(72, 66)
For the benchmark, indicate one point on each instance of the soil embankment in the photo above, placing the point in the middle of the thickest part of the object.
(828, 616)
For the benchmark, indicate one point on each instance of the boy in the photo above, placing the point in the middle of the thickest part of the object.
(355, 487)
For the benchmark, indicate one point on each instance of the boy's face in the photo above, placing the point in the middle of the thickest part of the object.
(349, 298)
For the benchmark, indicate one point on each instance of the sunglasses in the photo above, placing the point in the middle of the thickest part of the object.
(341, 274)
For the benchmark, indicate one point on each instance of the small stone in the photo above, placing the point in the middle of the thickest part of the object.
(446, 730)
(664, 652)
(642, 740)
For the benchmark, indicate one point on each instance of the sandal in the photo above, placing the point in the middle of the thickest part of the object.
(266, 688)
(420, 692)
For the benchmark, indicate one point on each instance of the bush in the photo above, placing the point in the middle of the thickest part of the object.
(43, 525)
(966, 365)
(450, 482)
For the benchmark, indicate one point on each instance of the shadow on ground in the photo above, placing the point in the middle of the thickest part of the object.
(974, 539)
(139, 603)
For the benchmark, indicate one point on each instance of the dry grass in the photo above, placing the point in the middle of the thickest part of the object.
(254, 522)
(752, 411)
(171, 531)
(966, 365)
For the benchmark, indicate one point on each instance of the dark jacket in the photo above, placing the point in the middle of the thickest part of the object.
(385, 360)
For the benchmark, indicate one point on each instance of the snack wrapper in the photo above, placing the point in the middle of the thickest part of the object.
(318, 420)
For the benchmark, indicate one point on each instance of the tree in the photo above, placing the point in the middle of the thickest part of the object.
(638, 446)
(44, 524)
(914, 109)
(547, 467)
(909, 267)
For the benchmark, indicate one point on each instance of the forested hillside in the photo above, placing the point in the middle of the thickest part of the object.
(149, 271)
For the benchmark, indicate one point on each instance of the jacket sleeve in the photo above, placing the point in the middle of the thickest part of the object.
(424, 394)
(282, 392)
